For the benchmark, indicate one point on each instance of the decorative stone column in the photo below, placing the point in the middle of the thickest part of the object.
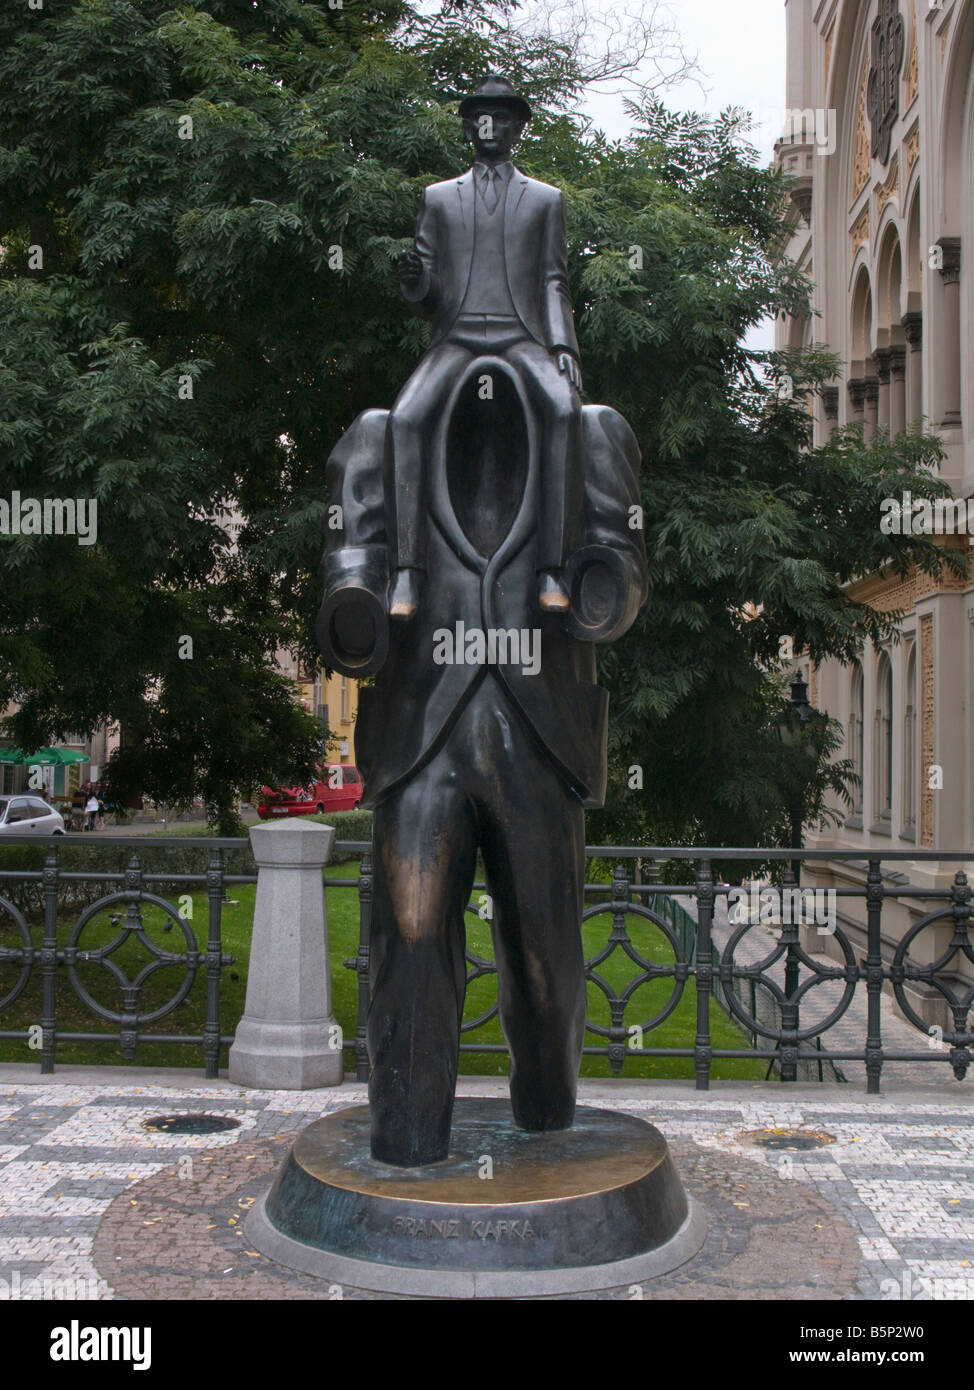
(857, 396)
(913, 328)
(897, 395)
(881, 357)
(801, 196)
(288, 1038)
(927, 697)
(871, 392)
(830, 400)
(948, 359)
(867, 807)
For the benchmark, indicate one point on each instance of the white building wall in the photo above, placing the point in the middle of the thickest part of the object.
(847, 243)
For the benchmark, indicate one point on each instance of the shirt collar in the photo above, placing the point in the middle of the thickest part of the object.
(505, 171)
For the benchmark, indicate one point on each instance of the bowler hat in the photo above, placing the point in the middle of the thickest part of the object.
(495, 89)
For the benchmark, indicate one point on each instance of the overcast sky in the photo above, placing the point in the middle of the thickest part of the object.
(740, 47)
(740, 50)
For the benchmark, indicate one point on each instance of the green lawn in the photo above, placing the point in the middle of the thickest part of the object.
(677, 1030)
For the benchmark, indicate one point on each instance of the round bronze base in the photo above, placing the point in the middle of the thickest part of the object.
(506, 1213)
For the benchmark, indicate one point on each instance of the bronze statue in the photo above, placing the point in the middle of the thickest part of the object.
(495, 520)
(489, 269)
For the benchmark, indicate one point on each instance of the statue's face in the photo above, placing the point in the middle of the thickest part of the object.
(493, 130)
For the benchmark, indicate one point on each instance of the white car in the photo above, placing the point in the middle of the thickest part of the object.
(29, 815)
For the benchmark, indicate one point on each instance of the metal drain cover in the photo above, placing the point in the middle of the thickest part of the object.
(191, 1124)
(786, 1138)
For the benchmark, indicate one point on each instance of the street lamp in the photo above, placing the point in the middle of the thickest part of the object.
(799, 698)
(791, 729)
(790, 733)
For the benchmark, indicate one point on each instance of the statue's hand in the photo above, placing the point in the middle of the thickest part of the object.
(410, 268)
(568, 365)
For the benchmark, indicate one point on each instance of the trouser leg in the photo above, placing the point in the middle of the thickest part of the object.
(409, 433)
(534, 854)
(425, 851)
(561, 482)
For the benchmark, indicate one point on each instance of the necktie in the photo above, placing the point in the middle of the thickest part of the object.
(491, 194)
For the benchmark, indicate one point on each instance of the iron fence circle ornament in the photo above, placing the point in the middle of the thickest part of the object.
(23, 955)
(929, 973)
(818, 975)
(959, 1037)
(619, 940)
(162, 959)
(478, 967)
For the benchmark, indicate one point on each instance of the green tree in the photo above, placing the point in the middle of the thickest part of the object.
(201, 208)
(752, 534)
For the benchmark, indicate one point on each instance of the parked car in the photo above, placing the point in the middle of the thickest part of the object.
(29, 815)
(339, 788)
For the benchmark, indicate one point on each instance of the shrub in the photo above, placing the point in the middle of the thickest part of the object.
(85, 854)
(349, 825)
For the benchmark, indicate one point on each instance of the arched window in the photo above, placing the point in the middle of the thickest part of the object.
(862, 323)
(883, 745)
(909, 745)
(855, 735)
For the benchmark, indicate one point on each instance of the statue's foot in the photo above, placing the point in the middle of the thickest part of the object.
(538, 1120)
(552, 594)
(404, 598)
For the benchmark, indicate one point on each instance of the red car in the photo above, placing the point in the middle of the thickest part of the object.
(340, 789)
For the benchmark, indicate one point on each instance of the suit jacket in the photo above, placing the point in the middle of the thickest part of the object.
(534, 248)
(404, 717)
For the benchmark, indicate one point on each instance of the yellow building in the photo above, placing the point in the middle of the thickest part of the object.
(334, 701)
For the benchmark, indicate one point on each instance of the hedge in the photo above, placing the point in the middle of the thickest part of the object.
(89, 854)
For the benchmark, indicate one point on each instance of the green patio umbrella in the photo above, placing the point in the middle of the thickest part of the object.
(44, 757)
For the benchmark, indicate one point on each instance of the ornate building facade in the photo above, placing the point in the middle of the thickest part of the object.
(885, 232)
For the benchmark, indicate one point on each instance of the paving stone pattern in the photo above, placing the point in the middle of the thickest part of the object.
(87, 1194)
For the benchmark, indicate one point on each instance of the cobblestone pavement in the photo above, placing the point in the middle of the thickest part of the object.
(86, 1193)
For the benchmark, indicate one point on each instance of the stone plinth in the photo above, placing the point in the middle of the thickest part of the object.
(507, 1213)
(288, 1038)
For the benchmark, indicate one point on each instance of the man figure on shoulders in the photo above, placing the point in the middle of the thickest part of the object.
(488, 268)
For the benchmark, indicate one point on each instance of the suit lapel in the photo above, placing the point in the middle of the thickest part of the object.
(466, 193)
(465, 199)
(517, 188)
(515, 193)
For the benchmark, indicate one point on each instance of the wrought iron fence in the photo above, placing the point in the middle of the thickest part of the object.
(768, 1011)
(759, 1002)
(772, 1012)
(61, 955)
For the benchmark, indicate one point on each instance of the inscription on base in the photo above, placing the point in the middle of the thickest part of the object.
(464, 1230)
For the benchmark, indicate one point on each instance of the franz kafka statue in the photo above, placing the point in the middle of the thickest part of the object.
(490, 537)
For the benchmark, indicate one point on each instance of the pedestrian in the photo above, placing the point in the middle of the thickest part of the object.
(91, 811)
